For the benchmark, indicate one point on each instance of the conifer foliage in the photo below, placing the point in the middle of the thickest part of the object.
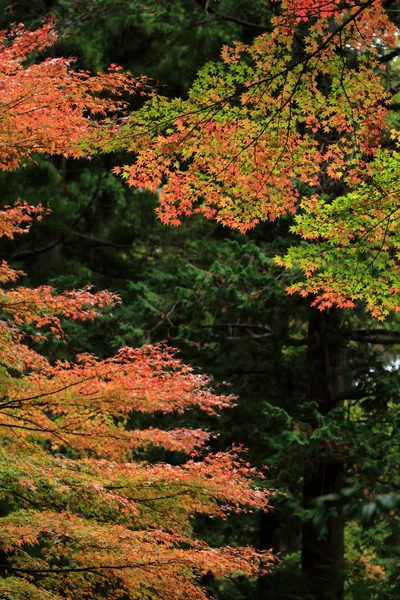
(80, 518)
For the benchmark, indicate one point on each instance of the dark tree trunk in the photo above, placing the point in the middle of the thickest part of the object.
(323, 552)
(269, 523)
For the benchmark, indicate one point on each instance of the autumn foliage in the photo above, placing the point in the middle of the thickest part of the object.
(50, 107)
(291, 124)
(81, 518)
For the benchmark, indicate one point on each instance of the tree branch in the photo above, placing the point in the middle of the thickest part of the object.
(93, 569)
(389, 56)
(34, 251)
(233, 19)
(97, 241)
(373, 336)
(289, 341)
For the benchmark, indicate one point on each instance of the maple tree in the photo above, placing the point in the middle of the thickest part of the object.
(293, 126)
(291, 123)
(49, 107)
(80, 517)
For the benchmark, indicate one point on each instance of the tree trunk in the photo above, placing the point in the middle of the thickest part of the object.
(323, 551)
(268, 525)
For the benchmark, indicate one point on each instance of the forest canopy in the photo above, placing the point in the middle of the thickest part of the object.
(276, 166)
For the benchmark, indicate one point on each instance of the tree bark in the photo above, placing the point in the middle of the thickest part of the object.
(268, 526)
(323, 551)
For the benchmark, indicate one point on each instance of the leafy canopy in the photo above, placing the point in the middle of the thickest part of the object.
(80, 517)
(292, 123)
